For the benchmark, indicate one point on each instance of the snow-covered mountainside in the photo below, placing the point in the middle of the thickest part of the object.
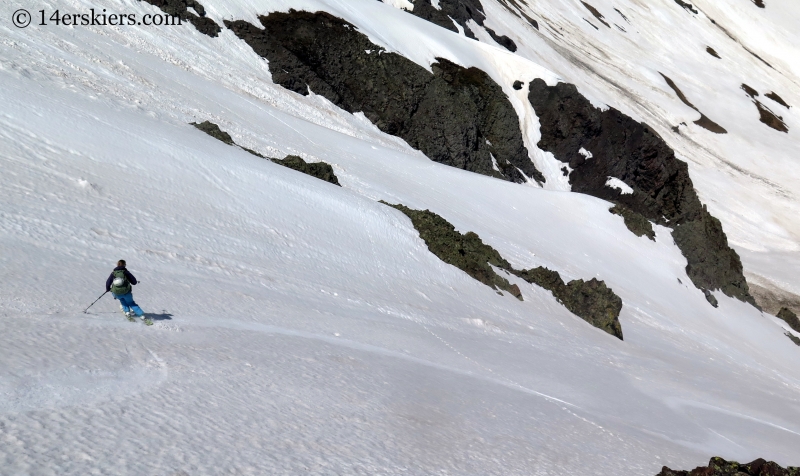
(611, 227)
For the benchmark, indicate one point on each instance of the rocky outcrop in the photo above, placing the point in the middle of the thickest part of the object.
(720, 467)
(772, 95)
(464, 251)
(591, 300)
(596, 14)
(636, 223)
(766, 115)
(320, 170)
(456, 116)
(790, 318)
(214, 131)
(180, 9)
(634, 153)
(704, 121)
(451, 12)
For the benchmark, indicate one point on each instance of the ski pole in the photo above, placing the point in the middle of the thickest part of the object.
(92, 304)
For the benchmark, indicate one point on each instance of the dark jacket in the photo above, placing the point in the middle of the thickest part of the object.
(128, 275)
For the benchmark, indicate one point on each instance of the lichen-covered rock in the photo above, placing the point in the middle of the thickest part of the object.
(633, 152)
(791, 318)
(180, 9)
(636, 223)
(464, 251)
(591, 300)
(720, 467)
(320, 170)
(214, 131)
(456, 116)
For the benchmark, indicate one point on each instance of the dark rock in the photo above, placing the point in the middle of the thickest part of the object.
(461, 11)
(720, 467)
(712, 52)
(464, 251)
(686, 6)
(759, 3)
(320, 170)
(517, 85)
(502, 40)
(180, 9)
(770, 118)
(704, 121)
(791, 318)
(590, 300)
(515, 8)
(214, 131)
(622, 15)
(750, 91)
(636, 223)
(456, 116)
(710, 298)
(634, 153)
(587, 21)
(252, 152)
(793, 339)
(777, 99)
(765, 115)
(596, 14)
(756, 56)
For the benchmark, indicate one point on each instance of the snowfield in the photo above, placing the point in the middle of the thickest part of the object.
(304, 328)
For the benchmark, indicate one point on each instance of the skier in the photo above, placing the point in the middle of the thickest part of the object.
(119, 283)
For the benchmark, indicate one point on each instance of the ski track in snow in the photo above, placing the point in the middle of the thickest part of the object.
(303, 328)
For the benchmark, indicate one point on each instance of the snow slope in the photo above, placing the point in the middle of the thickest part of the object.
(303, 328)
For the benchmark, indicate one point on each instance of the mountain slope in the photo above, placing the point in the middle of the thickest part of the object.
(305, 328)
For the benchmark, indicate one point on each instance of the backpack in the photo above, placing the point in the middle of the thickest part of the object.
(120, 284)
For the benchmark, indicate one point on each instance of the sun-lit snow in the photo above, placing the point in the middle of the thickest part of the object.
(304, 328)
(618, 184)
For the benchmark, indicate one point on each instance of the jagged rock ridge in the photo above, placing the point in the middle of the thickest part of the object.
(450, 12)
(634, 153)
(591, 300)
(320, 170)
(180, 9)
(456, 116)
(720, 467)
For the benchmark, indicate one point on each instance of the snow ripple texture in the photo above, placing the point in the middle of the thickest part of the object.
(303, 328)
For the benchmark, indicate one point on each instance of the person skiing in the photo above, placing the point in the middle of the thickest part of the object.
(119, 283)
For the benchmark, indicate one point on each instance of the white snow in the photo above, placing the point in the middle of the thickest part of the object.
(618, 184)
(585, 153)
(304, 328)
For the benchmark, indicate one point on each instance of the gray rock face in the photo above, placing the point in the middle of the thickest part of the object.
(456, 116)
(634, 153)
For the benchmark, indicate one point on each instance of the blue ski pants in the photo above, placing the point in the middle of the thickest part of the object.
(128, 304)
